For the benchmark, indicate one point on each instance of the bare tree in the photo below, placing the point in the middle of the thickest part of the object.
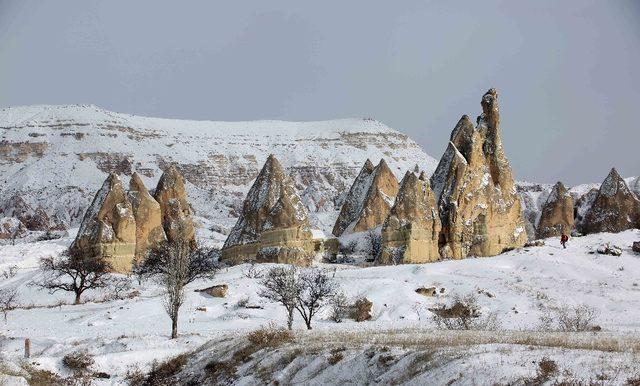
(280, 284)
(375, 243)
(73, 272)
(175, 265)
(316, 289)
(8, 300)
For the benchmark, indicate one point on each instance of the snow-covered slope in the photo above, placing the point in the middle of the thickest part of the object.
(519, 286)
(56, 157)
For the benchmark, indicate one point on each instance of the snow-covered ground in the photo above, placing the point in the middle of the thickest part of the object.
(519, 286)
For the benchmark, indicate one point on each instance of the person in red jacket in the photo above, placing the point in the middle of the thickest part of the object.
(563, 240)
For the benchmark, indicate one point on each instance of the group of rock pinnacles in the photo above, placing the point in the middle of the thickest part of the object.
(468, 207)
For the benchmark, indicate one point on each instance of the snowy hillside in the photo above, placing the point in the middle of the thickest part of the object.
(54, 158)
(519, 287)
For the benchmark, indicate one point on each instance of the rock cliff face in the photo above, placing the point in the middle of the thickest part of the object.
(614, 209)
(174, 208)
(411, 231)
(54, 158)
(369, 200)
(148, 216)
(273, 225)
(474, 188)
(108, 228)
(557, 213)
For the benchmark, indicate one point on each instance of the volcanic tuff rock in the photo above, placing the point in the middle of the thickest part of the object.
(474, 188)
(557, 213)
(76, 146)
(411, 231)
(273, 225)
(614, 209)
(369, 200)
(146, 210)
(108, 228)
(174, 208)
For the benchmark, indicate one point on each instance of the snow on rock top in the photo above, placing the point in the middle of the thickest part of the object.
(53, 159)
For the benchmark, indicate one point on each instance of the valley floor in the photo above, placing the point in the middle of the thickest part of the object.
(519, 287)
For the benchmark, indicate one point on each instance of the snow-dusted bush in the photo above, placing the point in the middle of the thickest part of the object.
(78, 360)
(8, 300)
(464, 314)
(571, 319)
(270, 336)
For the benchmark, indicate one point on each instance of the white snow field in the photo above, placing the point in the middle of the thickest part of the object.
(519, 286)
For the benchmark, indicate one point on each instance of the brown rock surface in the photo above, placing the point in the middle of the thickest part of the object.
(217, 291)
(410, 233)
(557, 213)
(614, 209)
(176, 214)
(369, 200)
(146, 210)
(474, 188)
(108, 228)
(273, 225)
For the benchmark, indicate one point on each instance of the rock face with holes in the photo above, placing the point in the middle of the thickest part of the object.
(369, 200)
(474, 189)
(108, 228)
(176, 215)
(273, 225)
(411, 231)
(557, 213)
(614, 209)
(146, 210)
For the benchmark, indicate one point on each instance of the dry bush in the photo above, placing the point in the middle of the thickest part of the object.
(135, 376)
(163, 373)
(270, 336)
(464, 314)
(335, 358)
(570, 319)
(78, 360)
(252, 271)
(361, 309)
(546, 368)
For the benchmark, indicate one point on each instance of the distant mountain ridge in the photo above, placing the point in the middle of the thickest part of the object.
(54, 158)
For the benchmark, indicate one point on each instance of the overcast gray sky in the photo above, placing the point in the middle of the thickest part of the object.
(568, 72)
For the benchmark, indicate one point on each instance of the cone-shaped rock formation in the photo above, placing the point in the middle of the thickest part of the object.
(146, 210)
(614, 209)
(474, 189)
(557, 213)
(411, 231)
(108, 229)
(273, 225)
(176, 214)
(369, 200)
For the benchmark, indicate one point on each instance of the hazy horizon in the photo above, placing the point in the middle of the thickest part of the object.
(567, 73)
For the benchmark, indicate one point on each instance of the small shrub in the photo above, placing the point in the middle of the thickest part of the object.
(335, 358)
(546, 368)
(464, 314)
(252, 271)
(339, 307)
(135, 376)
(361, 309)
(78, 360)
(242, 302)
(270, 336)
(162, 374)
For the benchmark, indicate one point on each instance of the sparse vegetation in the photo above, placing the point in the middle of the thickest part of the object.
(78, 360)
(270, 336)
(464, 314)
(570, 319)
